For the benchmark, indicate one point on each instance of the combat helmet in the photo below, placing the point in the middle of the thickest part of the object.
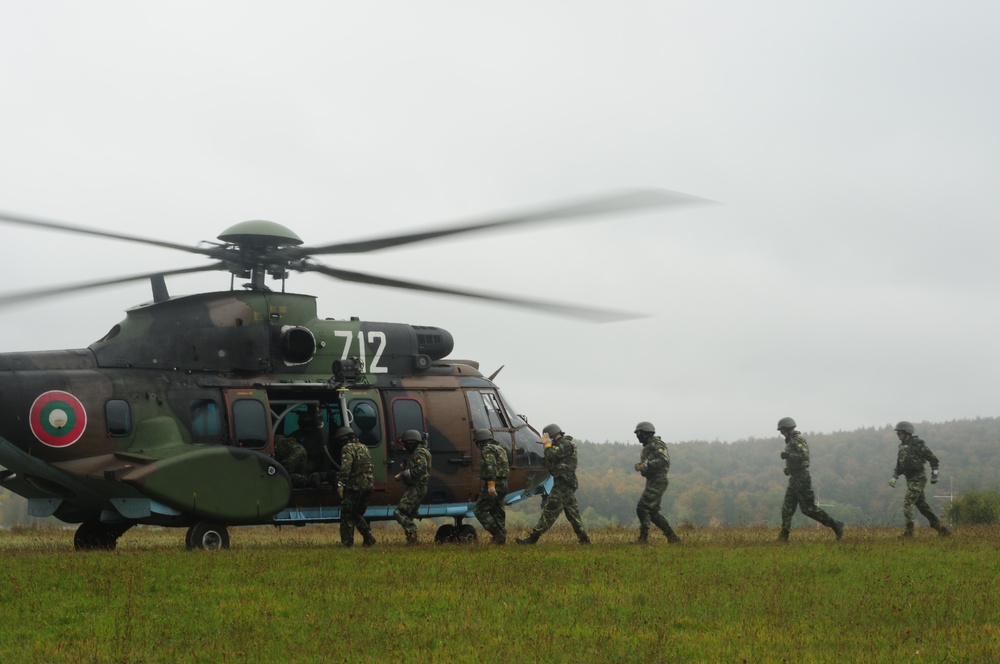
(552, 430)
(645, 427)
(343, 434)
(786, 423)
(482, 436)
(411, 438)
(905, 427)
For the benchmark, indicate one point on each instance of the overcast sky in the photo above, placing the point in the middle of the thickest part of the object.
(847, 277)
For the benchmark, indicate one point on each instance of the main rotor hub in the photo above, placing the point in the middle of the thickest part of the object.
(260, 233)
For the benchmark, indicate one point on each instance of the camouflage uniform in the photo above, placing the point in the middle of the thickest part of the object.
(913, 454)
(489, 509)
(293, 457)
(654, 464)
(419, 466)
(560, 459)
(799, 493)
(357, 477)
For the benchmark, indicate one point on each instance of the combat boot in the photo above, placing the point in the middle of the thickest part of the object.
(673, 538)
(943, 531)
(585, 539)
(783, 535)
(908, 533)
(838, 529)
(530, 539)
(369, 540)
(643, 537)
(411, 539)
(500, 538)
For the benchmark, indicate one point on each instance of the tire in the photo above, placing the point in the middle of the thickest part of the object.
(207, 536)
(445, 533)
(97, 536)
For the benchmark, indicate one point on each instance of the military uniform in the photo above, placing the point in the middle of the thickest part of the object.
(493, 468)
(357, 478)
(293, 457)
(654, 464)
(800, 493)
(560, 460)
(416, 475)
(913, 454)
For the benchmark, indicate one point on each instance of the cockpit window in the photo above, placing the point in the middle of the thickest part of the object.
(486, 410)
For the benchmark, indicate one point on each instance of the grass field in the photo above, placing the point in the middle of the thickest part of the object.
(724, 595)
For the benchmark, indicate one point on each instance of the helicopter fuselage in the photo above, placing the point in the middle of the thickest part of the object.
(171, 418)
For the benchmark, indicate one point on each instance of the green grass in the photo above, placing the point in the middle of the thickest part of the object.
(725, 594)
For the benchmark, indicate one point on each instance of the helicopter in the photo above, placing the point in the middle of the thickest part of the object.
(171, 418)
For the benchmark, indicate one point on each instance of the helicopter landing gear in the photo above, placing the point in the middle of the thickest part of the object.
(456, 534)
(98, 536)
(207, 536)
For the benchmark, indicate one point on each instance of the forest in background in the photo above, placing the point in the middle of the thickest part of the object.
(741, 483)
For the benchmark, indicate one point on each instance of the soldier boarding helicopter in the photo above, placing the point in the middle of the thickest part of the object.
(171, 418)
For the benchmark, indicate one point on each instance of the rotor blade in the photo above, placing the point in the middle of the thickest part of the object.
(24, 296)
(585, 313)
(628, 201)
(60, 226)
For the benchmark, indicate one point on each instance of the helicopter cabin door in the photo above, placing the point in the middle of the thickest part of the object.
(442, 416)
(249, 419)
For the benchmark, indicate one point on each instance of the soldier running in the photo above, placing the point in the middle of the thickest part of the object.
(913, 454)
(653, 464)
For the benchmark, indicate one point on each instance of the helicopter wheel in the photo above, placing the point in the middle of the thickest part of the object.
(207, 536)
(445, 533)
(97, 536)
(466, 535)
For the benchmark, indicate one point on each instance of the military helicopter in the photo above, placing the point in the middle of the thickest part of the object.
(170, 419)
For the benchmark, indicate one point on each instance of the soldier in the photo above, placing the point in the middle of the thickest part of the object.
(653, 464)
(799, 492)
(913, 454)
(292, 456)
(355, 485)
(311, 435)
(493, 472)
(560, 459)
(415, 475)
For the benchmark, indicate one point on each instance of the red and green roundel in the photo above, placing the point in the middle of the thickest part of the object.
(57, 418)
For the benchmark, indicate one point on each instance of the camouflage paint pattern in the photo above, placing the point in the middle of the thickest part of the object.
(220, 352)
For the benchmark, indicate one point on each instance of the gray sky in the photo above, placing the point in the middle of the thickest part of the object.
(848, 277)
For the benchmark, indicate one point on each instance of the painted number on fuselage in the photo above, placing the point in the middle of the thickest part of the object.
(374, 337)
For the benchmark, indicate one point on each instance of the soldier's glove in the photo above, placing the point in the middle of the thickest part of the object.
(892, 483)
(638, 466)
(787, 472)
(492, 488)
(934, 476)
(784, 455)
(340, 492)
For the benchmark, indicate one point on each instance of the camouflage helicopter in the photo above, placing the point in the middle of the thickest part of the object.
(171, 418)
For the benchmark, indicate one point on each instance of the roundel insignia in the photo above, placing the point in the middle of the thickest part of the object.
(57, 418)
